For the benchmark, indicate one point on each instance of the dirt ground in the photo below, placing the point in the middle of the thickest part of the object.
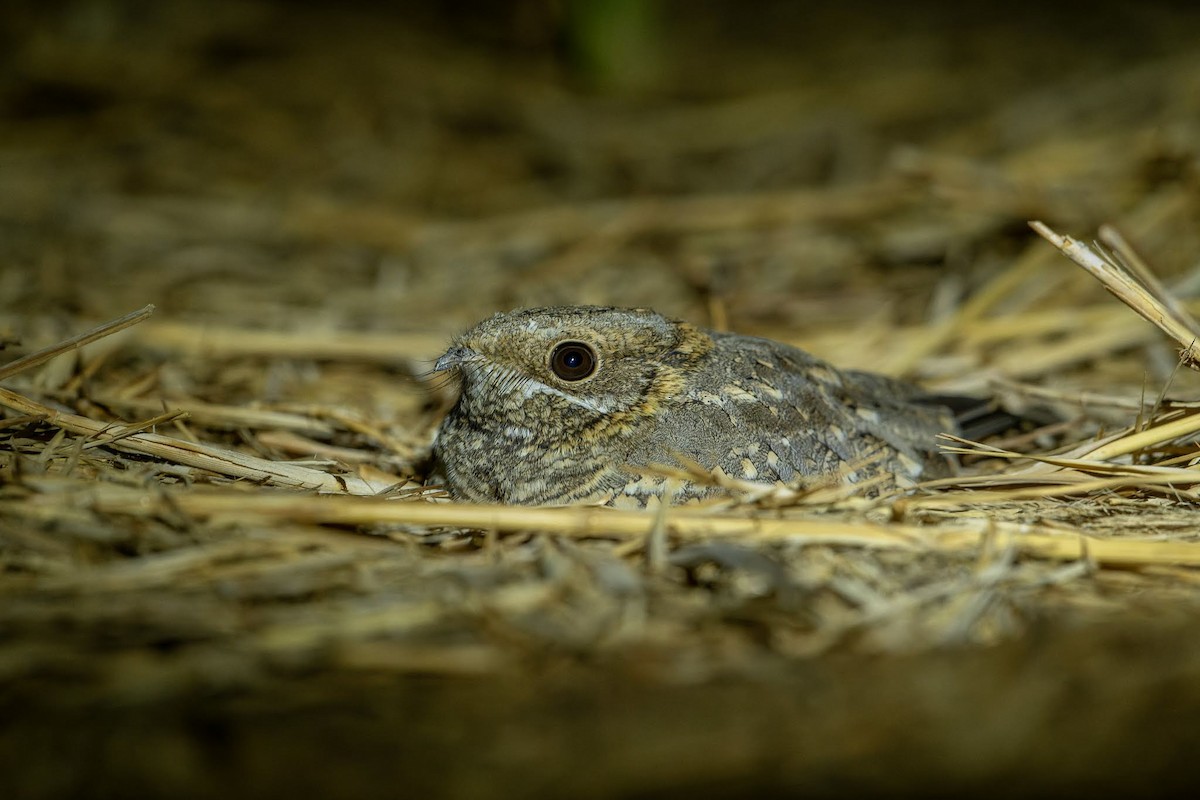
(315, 199)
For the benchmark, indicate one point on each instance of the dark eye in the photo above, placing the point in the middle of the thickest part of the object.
(572, 361)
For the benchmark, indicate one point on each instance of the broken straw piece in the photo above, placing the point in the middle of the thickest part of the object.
(1128, 289)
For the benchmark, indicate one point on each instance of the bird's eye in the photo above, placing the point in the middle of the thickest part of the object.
(572, 361)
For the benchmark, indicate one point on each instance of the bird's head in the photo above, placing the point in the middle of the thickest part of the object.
(571, 368)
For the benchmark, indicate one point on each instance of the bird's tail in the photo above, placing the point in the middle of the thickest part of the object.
(979, 418)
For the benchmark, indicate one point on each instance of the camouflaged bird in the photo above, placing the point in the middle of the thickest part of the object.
(581, 404)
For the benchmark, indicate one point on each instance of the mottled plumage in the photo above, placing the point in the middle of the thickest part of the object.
(578, 404)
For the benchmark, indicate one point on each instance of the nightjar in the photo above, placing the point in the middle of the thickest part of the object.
(579, 404)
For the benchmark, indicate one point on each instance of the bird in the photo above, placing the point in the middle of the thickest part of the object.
(594, 405)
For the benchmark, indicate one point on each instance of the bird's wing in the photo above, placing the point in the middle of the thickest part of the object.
(766, 411)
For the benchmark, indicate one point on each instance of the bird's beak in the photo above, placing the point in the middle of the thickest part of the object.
(454, 357)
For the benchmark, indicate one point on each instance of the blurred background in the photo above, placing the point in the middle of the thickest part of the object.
(415, 166)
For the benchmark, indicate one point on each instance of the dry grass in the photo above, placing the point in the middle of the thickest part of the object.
(219, 514)
(56, 458)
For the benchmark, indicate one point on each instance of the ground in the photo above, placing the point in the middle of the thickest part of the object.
(316, 200)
